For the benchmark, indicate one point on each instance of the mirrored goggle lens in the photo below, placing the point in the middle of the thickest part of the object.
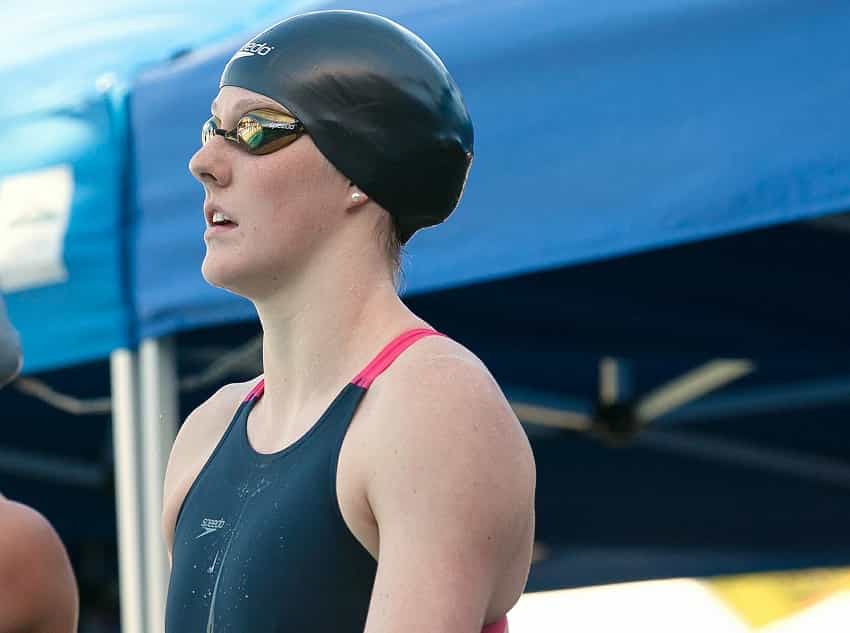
(208, 130)
(265, 131)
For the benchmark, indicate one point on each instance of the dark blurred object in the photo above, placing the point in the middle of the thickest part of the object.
(11, 358)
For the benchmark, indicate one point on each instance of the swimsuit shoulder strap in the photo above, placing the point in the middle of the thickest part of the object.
(257, 392)
(387, 355)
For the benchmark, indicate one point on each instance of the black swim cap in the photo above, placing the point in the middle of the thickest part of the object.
(377, 102)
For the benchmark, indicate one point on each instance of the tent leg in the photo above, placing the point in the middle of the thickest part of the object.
(125, 407)
(158, 382)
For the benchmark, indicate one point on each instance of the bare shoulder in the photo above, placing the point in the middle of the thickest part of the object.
(451, 464)
(197, 438)
(440, 400)
(444, 385)
(37, 583)
(24, 533)
(206, 424)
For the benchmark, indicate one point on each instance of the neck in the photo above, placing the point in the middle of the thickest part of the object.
(320, 331)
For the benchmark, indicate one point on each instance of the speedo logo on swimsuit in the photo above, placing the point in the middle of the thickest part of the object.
(210, 525)
(254, 48)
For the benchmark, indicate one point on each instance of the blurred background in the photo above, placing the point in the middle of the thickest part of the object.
(651, 256)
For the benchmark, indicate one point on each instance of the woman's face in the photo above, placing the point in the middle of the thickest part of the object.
(283, 205)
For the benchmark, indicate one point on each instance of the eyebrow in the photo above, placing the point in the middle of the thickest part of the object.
(246, 104)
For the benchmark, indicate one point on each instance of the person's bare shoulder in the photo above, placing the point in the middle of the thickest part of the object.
(452, 466)
(38, 591)
(197, 438)
(441, 381)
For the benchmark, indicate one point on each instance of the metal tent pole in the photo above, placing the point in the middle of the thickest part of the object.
(125, 408)
(160, 410)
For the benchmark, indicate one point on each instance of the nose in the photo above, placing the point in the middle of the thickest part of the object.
(210, 165)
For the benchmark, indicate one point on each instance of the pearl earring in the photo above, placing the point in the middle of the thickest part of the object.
(356, 196)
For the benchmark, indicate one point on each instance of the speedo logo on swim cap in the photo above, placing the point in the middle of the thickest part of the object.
(253, 48)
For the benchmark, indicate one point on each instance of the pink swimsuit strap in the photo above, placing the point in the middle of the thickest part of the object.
(256, 392)
(387, 355)
(499, 626)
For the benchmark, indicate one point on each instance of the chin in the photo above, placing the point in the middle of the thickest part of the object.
(238, 278)
(229, 277)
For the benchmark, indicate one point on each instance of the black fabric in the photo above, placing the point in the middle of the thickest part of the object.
(260, 543)
(10, 348)
(377, 102)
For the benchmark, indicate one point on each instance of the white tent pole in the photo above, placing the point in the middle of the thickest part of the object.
(125, 415)
(159, 389)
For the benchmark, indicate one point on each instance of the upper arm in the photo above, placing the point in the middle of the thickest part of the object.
(176, 482)
(195, 441)
(38, 591)
(452, 491)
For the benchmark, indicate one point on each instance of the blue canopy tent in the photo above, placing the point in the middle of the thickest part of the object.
(62, 221)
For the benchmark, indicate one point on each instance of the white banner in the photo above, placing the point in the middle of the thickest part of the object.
(35, 208)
